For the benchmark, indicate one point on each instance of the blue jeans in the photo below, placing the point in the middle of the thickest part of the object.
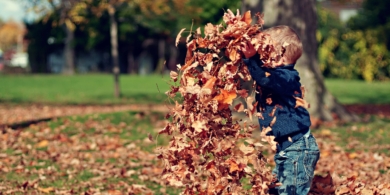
(295, 166)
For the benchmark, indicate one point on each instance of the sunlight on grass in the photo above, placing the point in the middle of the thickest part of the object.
(82, 89)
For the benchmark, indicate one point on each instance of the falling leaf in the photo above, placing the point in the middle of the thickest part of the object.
(268, 101)
(247, 17)
(178, 37)
(267, 74)
(301, 103)
(226, 97)
(272, 121)
(173, 75)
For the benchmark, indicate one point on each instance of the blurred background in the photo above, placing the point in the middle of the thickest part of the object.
(137, 38)
(74, 36)
(83, 82)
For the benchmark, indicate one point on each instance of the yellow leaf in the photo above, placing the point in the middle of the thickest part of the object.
(42, 144)
(46, 190)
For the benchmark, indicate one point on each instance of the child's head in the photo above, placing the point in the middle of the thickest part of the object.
(284, 34)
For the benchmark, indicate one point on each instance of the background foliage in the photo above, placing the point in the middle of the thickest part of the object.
(357, 49)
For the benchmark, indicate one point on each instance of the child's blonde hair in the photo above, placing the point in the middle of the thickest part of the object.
(284, 34)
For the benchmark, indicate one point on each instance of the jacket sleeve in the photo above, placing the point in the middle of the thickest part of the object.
(279, 81)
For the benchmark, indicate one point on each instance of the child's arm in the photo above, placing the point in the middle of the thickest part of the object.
(279, 80)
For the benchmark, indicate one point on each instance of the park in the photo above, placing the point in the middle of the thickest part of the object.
(91, 111)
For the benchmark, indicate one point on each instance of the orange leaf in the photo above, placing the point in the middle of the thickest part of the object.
(42, 144)
(209, 85)
(247, 18)
(46, 190)
(226, 97)
(233, 166)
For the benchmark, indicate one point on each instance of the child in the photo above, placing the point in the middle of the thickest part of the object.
(297, 151)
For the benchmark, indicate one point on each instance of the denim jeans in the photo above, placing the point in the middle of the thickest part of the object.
(295, 166)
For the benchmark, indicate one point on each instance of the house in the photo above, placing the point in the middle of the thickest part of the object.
(344, 9)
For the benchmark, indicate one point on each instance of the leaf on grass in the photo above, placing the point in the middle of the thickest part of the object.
(46, 190)
(42, 144)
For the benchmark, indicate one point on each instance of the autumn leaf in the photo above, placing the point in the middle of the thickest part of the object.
(179, 36)
(208, 87)
(46, 190)
(42, 144)
(301, 103)
(173, 75)
(247, 18)
(226, 97)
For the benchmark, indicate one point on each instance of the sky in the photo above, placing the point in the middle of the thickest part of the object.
(13, 9)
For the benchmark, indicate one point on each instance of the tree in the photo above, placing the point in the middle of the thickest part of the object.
(68, 18)
(301, 16)
(11, 35)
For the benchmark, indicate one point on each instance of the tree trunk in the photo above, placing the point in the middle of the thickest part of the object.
(69, 51)
(301, 16)
(161, 57)
(114, 49)
(131, 66)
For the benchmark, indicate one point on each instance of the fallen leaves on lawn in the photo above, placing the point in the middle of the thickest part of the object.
(74, 157)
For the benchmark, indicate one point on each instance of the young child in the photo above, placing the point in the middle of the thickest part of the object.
(297, 151)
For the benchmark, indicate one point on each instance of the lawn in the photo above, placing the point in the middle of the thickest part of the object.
(359, 92)
(113, 154)
(98, 89)
(82, 89)
(92, 154)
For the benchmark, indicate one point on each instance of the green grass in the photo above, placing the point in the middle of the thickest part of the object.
(371, 135)
(82, 89)
(98, 89)
(359, 92)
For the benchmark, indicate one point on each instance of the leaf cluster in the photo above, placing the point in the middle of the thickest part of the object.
(209, 152)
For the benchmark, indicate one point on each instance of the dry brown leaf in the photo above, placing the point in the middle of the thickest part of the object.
(179, 36)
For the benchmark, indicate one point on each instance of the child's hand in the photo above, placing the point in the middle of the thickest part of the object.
(247, 49)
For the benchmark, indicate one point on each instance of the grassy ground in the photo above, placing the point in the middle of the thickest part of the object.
(359, 92)
(104, 153)
(98, 89)
(81, 89)
(112, 153)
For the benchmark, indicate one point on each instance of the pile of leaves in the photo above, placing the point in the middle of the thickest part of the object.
(209, 152)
